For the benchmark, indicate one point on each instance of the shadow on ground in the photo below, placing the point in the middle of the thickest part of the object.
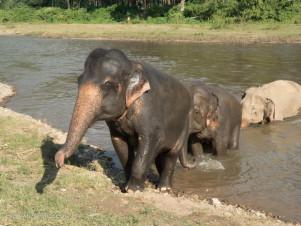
(86, 156)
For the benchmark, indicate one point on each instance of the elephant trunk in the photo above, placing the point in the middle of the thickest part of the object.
(184, 161)
(86, 108)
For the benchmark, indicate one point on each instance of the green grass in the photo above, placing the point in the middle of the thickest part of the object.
(234, 33)
(34, 192)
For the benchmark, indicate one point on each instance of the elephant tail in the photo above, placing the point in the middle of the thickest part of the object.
(184, 160)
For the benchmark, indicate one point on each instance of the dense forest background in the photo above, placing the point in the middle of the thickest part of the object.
(150, 11)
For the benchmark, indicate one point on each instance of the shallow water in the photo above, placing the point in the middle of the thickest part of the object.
(265, 173)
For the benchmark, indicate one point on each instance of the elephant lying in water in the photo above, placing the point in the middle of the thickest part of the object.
(139, 105)
(273, 101)
(215, 116)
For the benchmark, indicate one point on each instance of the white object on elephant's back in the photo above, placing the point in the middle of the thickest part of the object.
(210, 164)
(285, 95)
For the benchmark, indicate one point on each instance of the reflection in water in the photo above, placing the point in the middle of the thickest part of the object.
(264, 173)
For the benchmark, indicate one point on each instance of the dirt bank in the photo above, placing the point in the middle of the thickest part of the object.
(91, 192)
(238, 33)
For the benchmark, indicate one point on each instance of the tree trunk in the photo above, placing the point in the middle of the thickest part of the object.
(182, 6)
(68, 4)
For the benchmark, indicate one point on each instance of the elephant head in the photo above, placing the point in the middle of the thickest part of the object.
(109, 84)
(256, 108)
(205, 109)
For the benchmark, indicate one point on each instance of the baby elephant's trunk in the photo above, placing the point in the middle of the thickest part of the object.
(184, 160)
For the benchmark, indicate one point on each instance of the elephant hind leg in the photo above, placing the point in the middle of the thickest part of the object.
(234, 142)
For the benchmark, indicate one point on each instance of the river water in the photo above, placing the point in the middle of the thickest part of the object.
(264, 174)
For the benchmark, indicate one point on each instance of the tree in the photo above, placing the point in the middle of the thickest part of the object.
(182, 6)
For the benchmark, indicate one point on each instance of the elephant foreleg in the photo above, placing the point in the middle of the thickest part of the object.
(166, 164)
(145, 156)
(125, 154)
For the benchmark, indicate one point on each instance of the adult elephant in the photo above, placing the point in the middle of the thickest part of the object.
(140, 106)
(273, 101)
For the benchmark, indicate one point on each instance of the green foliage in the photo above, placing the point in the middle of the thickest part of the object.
(46, 14)
(175, 16)
(202, 11)
(243, 10)
(103, 15)
(50, 15)
(20, 14)
(218, 12)
(295, 14)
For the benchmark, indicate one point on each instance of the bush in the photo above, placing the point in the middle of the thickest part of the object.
(4, 17)
(21, 14)
(50, 15)
(103, 15)
(202, 11)
(76, 15)
(242, 10)
(123, 12)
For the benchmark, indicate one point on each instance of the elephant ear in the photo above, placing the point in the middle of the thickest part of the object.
(269, 111)
(137, 85)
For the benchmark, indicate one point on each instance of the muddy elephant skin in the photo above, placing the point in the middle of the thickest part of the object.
(138, 103)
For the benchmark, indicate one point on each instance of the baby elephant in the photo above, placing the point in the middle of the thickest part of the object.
(215, 117)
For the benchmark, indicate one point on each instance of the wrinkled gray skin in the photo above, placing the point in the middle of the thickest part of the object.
(138, 103)
(215, 116)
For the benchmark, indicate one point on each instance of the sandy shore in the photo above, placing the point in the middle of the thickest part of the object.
(210, 212)
(239, 33)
